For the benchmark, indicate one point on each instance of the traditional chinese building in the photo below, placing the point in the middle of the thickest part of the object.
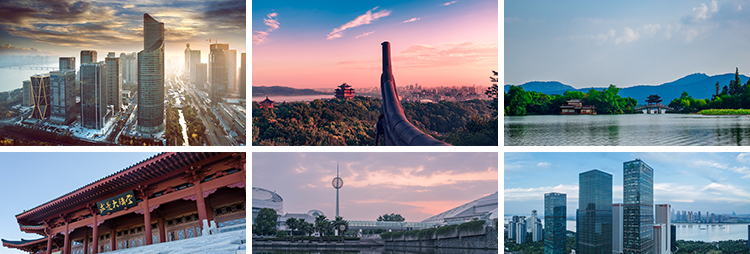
(266, 103)
(163, 198)
(344, 92)
(576, 107)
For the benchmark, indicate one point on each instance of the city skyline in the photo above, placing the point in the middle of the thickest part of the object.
(713, 182)
(415, 185)
(65, 28)
(585, 44)
(326, 44)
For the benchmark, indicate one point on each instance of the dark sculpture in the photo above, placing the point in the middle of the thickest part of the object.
(398, 131)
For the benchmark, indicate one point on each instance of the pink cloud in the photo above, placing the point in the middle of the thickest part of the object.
(422, 55)
(364, 34)
(363, 19)
(411, 20)
(260, 37)
(449, 3)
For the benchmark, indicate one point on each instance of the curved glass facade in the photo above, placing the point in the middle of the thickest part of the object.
(594, 218)
(151, 77)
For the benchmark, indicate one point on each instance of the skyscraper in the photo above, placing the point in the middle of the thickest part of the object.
(231, 71)
(192, 58)
(151, 77)
(555, 211)
(41, 96)
(638, 208)
(129, 68)
(88, 56)
(594, 219)
(617, 228)
(68, 63)
(93, 95)
(243, 77)
(27, 100)
(114, 81)
(63, 88)
(217, 71)
(201, 75)
(663, 216)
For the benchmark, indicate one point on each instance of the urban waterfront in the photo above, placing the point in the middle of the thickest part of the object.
(13, 77)
(380, 250)
(627, 130)
(280, 99)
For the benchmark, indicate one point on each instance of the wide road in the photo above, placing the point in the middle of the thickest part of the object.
(213, 138)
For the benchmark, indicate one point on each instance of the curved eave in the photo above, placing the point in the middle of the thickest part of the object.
(22, 244)
(158, 165)
(37, 229)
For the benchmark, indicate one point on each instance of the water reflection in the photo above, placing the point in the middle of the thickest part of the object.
(380, 250)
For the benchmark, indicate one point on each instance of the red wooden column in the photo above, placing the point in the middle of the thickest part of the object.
(86, 242)
(195, 175)
(66, 245)
(144, 192)
(49, 244)
(162, 230)
(95, 234)
(112, 238)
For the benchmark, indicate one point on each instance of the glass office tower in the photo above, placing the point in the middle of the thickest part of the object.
(638, 208)
(594, 218)
(554, 222)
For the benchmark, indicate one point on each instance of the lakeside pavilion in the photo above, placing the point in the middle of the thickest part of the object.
(160, 199)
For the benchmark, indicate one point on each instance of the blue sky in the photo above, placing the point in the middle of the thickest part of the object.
(714, 182)
(625, 43)
(32, 179)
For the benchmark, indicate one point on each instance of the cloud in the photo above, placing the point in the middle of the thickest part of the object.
(526, 194)
(407, 176)
(363, 19)
(448, 54)
(8, 49)
(744, 171)
(364, 34)
(260, 37)
(651, 29)
(628, 36)
(703, 12)
(543, 164)
(410, 20)
(449, 3)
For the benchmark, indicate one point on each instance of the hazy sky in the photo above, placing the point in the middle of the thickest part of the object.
(65, 27)
(625, 43)
(713, 182)
(309, 44)
(415, 185)
(32, 179)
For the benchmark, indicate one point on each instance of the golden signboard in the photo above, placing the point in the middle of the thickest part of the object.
(117, 203)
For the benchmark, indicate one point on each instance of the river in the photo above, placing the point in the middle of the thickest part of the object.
(627, 130)
(13, 77)
(280, 99)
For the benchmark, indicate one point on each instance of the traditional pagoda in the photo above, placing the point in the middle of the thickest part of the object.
(654, 106)
(576, 107)
(344, 92)
(266, 103)
(164, 198)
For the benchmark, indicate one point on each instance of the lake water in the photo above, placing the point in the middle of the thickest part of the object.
(712, 232)
(279, 99)
(627, 130)
(13, 78)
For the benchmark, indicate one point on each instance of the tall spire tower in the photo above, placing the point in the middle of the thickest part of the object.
(151, 77)
(337, 183)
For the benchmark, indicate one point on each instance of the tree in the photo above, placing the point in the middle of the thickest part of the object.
(291, 223)
(321, 225)
(266, 221)
(306, 228)
(492, 93)
(717, 89)
(337, 225)
(391, 217)
(516, 100)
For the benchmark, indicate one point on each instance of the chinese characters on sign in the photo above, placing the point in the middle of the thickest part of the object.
(117, 203)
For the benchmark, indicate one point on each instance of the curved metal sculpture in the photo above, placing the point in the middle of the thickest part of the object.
(397, 130)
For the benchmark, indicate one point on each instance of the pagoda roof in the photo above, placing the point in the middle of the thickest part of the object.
(128, 178)
(22, 243)
(267, 100)
(345, 85)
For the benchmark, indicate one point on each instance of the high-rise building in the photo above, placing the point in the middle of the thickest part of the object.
(93, 95)
(243, 77)
(88, 56)
(231, 71)
(218, 73)
(192, 58)
(638, 208)
(129, 68)
(661, 240)
(201, 75)
(114, 81)
(521, 231)
(41, 96)
(537, 232)
(555, 211)
(673, 237)
(68, 63)
(27, 101)
(63, 88)
(664, 217)
(594, 219)
(616, 228)
(151, 77)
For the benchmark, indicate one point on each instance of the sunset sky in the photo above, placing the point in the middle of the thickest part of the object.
(713, 182)
(65, 27)
(625, 43)
(415, 185)
(311, 44)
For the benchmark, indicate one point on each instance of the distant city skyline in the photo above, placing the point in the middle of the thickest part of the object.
(415, 185)
(325, 44)
(32, 28)
(713, 182)
(594, 44)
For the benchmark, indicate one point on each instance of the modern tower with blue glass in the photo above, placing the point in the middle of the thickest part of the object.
(638, 208)
(594, 218)
(555, 205)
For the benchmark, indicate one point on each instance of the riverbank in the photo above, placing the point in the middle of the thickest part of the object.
(724, 112)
